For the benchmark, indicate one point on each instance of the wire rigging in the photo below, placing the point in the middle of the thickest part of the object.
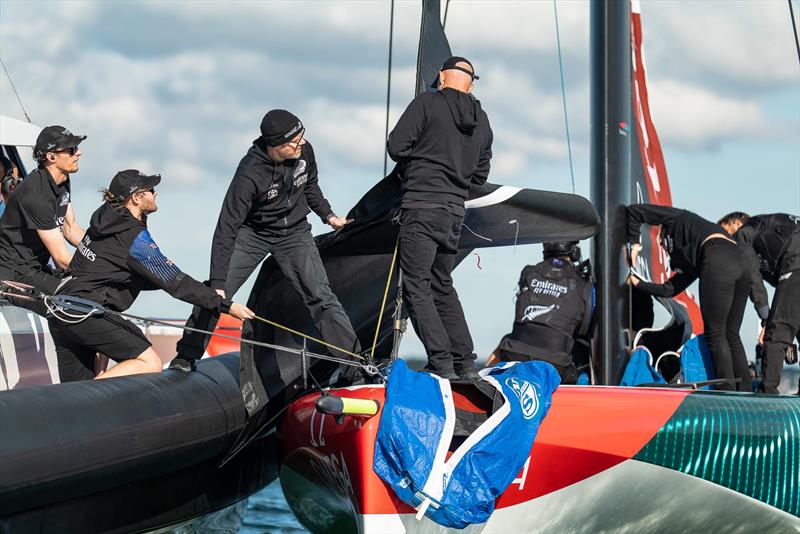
(444, 21)
(388, 89)
(564, 98)
(794, 27)
(15, 90)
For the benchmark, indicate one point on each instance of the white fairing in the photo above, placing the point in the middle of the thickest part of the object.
(15, 132)
(30, 340)
(631, 497)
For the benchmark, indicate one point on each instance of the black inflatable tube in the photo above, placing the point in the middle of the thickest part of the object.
(72, 440)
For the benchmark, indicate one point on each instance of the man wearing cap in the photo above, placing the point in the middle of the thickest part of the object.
(116, 259)
(39, 216)
(442, 144)
(264, 211)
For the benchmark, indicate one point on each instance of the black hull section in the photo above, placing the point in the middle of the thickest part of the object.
(127, 454)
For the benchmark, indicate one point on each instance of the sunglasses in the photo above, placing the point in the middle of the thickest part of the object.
(151, 190)
(71, 151)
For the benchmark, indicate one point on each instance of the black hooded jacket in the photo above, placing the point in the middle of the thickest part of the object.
(443, 144)
(267, 196)
(118, 258)
(772, 245)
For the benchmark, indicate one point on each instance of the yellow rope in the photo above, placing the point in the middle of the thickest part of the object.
(385, 295)
(295, 332)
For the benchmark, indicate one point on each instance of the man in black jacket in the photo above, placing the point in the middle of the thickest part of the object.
(443, 145)
(554, 310)
(264, 211)
(772, 245)
(39, 219)
(116, 259)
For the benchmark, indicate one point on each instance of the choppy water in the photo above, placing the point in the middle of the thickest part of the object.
(267, 511)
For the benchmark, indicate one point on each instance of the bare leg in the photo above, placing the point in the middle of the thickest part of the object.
(146, 362)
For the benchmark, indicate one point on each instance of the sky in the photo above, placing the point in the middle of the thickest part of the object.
(180, 88)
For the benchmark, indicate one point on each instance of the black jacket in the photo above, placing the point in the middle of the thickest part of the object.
(266, 196)
(682, 232)
(37, 204)
(554, 307)
(443, 143)
(118, 258)
(772, 245)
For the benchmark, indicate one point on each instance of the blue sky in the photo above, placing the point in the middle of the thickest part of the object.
(180, 87)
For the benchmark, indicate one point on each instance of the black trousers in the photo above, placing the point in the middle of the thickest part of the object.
(724, 288)
(428, 246)
(298, 259)
(783, 327)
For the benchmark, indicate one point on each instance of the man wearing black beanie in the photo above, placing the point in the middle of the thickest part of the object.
(264, 211)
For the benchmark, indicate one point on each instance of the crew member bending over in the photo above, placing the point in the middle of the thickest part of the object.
(264, 211)
(443, 144)
(116, 259)
(9, 180)
(554, 310)
(699, 248)
(772, 244)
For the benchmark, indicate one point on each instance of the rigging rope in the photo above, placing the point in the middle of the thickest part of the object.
(306, 336)
(15, 90)
(388, 90)
(446, 7)
(385, 295)
(564, 97)
(794, 27)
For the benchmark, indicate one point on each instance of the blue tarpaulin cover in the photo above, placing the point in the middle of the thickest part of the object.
(640, 370)
(416, 429)
(696, 362)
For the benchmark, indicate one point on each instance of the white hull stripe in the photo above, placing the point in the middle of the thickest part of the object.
(499, 195)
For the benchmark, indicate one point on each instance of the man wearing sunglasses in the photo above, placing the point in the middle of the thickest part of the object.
(442, 144)
(39, 219)
(264, 211)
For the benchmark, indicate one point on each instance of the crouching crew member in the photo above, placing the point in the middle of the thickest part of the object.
(554, 309)
(38, 217)
(772, 244)
(443, 144)
(9, 180)
(698, 248)
(116, 259)
(264, 211)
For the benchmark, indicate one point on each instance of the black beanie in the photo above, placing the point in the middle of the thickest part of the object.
(279, 126)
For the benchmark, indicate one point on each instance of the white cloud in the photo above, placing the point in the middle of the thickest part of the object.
(691, 117)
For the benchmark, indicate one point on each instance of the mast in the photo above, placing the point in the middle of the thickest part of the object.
(611, 188)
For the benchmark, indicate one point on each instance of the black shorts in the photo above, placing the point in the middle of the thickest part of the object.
(77, 344)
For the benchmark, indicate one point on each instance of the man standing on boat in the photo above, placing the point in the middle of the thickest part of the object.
(39, 219)
(554, 311)
(443, 145)
(264, 211)
(116, 259)
(772, 245)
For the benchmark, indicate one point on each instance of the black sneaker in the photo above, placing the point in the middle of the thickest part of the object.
(447, 374)
(469, 374)
(183, 364)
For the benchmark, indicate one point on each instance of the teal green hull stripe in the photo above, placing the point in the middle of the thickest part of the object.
(748, 443)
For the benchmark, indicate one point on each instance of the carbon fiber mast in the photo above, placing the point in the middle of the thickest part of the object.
(611, 187)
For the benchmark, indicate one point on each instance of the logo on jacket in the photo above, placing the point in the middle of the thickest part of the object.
(533, 311)
(273, 190)
(528, 400)
(64, 199)
(546, 287)
(84, 250)
(300, 169)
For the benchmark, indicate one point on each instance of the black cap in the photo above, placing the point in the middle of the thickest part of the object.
(54, 138)
(279, 126)
(452, 63)
(126, 183)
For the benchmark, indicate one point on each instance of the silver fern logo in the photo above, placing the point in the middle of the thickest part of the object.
(533, 311)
